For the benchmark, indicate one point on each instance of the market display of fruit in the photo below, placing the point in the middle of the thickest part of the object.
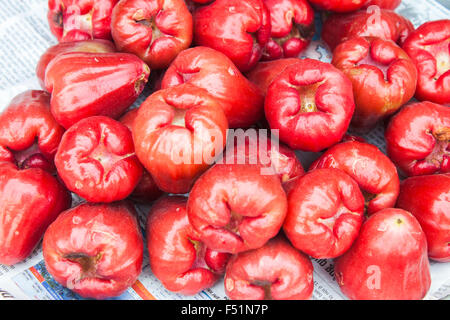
(213, 148)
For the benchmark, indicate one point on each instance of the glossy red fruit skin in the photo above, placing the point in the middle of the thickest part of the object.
(429, 48)
(96, 250)
(383, 77)
(178, 132)
(388, 260)
(276, 271)
(28, 131)
(418, 139)
(374, 172)
(30, 200)
(154, 30)
(93, 84)
(146, 190)
(235, 208)
(265, 71)
(77, 20)
(255, 147)
(177, 257)
(325, 213)
(292, 29)
(97, 45)
(384, 24)
(338, 5)
(426, 197)
(383, 4)
(96, 160)
(239, 29)
(213, 71)
(311, 104)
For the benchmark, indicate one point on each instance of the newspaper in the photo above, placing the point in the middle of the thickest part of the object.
(24, 36)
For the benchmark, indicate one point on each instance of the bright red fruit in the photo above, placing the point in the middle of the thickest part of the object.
(96, 160)
(383, 76)
(292, 28)
(239, 29)
(29, 135)
(99, 46)
(96, 250)
(384, 24)
(177, 256)
(325, 212)
(388, 260)
(235, 208)
(213, 71)
(146, 190)
(339, 5)
(178, 132)
(383, 4)
(154, 30)
(92, 84)
(311, 104)
(429, 48)
(75, 20)
(374, 172)
(418, 139)
(427, 198)
(276, 271)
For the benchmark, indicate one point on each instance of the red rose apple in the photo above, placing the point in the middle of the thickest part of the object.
(213, 71)
(275, 271)
(311, 104)
(75, 20)
(238, 29)
(388, 260)
(383, 4)
(178, 132)
(325, 212)
(383, 76)
(428, 199)
(96, 250)
(235, 208)
(418, 139)
(339, 5)
(93, 84)
(154, 30)
(177, 257)
(429, 48)
(375, 173)
(96, 160)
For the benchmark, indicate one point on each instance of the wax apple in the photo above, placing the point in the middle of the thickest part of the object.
(325, 212)
(29, 135)
(384, 24)
(178, 132)
(418, 139)
(388, 260)
(239, 29)
(154, 30)
(75, 20)
(375, 173)
(383, 76)
(292, 29)
(426, 197)
(210, 69)
(339, 5)
(276, 271)
(428, 46)
(96, 160)
(311, 104)
(93, 84)
(235, 208)
(96, 250)
(97, 45)
(146, 190)
(177, 257)
(383, 4)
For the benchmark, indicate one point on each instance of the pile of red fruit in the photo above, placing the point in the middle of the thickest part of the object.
(255, 218)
